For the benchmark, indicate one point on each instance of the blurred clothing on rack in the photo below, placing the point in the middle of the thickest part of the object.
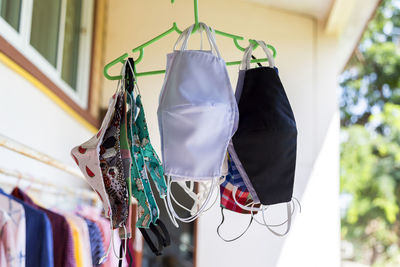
(32, 235)
(63, 247)
(12, 233)
(39, 240)
(82, 239)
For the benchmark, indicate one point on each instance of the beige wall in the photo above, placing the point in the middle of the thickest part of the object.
(306, 61)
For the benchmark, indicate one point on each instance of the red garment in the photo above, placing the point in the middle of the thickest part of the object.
(63, 245)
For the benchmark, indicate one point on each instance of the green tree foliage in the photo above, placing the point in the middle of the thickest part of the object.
(370, 148)
(370, 174)
(371, 78)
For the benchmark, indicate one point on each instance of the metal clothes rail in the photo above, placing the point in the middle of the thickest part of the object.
(26, 151)
(52, 188)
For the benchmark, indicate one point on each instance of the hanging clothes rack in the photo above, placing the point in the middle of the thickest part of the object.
(26, 151)
(83, 193)
(175, 28)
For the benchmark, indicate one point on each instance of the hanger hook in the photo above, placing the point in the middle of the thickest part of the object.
(120, 59)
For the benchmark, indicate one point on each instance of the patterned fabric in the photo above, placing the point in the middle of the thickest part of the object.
(153, 163)
(86, 157)
(96, 241)
(39, 235)
(12, 233)
(234, 179)
(112, 168)
(147, 207)
(126, 163)
(136, 184)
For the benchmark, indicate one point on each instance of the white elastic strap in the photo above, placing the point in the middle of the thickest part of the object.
(200, 210)
(217, 196)
(201, 37)
(182, 206)
(252, 209)
(270, 57)
(246, 61)
(196, 198)
(282, 223)
(245, 64)
(289, 221)
(211, 38)
(184, 36)
(263, 208)
(125, 243)
(273, 225)
(104, 257)
(172, 218)
(237, 237)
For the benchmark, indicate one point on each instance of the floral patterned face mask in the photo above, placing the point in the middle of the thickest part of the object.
(137, 187)
(101, 163)
(87, 156)
(146, 165)
(112, 167)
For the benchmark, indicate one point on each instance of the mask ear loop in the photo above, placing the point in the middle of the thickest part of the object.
(244, 207)
(201, 37)
(289, 221)
(171, 217)
(239, 236)
(290, 213)
(104, 257)
(282, 223)
(198, 213)
(195, 197)
(217, 195)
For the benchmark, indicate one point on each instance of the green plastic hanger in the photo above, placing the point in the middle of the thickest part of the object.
(175, 28)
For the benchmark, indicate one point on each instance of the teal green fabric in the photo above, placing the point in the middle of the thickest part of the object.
(137, 187)
(145, 163)
(153, 162)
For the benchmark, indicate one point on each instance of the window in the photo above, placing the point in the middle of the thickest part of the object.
(10, 12)
(45, 28)
(55, 35)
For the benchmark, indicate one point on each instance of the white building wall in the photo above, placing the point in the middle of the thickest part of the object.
(30, 117)
(306, 62)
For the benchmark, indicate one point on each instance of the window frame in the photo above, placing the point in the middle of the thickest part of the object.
(20, 40)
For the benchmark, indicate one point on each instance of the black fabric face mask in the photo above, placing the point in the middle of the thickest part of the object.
(266, 139)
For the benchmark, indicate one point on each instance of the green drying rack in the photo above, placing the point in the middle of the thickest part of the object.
(175, 28)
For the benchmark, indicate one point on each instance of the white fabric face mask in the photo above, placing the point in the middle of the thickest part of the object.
(197, 112)
(197, 115)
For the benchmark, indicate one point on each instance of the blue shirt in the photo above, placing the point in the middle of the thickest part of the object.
(96, 241)
(39, 236)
